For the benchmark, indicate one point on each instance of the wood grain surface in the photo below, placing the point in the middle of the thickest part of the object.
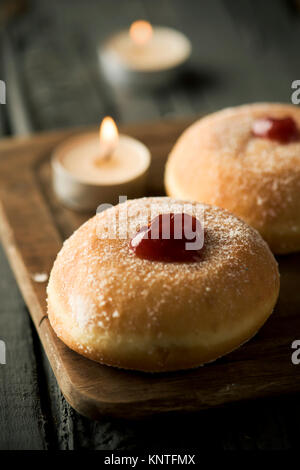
(33, 225)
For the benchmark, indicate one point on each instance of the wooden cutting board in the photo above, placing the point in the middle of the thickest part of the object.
(33, 226)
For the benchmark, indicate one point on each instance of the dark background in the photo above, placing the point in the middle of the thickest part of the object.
(243, 51)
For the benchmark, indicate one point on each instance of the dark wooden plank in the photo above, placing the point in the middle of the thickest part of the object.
(67, 88)
(23, 422)
(241, 53)
(21, 416)
(268, 34)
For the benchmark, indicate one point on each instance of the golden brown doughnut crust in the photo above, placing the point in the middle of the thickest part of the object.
(218, 161)
(119, 310)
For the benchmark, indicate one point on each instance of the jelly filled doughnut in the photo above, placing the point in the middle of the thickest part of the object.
(124, 294)
(247, 160)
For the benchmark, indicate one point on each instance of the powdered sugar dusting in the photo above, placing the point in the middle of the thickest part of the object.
(106, 278)
(82, 309)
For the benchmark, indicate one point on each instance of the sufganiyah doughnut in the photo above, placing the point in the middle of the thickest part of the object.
(245, 159)
(108, 303)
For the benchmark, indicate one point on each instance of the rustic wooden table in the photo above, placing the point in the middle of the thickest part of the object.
(243, 51)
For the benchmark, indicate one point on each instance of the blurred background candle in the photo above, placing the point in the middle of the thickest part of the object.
(144, 55)
(88, 171)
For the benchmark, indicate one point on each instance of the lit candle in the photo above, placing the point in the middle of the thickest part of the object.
(144, 55)
(88, 172)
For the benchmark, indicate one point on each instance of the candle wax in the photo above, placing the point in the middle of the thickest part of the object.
(166, 49)
(86, 161)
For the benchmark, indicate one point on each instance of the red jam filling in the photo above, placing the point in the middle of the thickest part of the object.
(170, 238)
(283, 130)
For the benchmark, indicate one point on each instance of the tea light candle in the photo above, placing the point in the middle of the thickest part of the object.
(88, 172)
(144, 55)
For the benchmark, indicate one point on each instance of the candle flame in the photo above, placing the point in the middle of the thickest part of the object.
(141, 32)
(108, 134)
